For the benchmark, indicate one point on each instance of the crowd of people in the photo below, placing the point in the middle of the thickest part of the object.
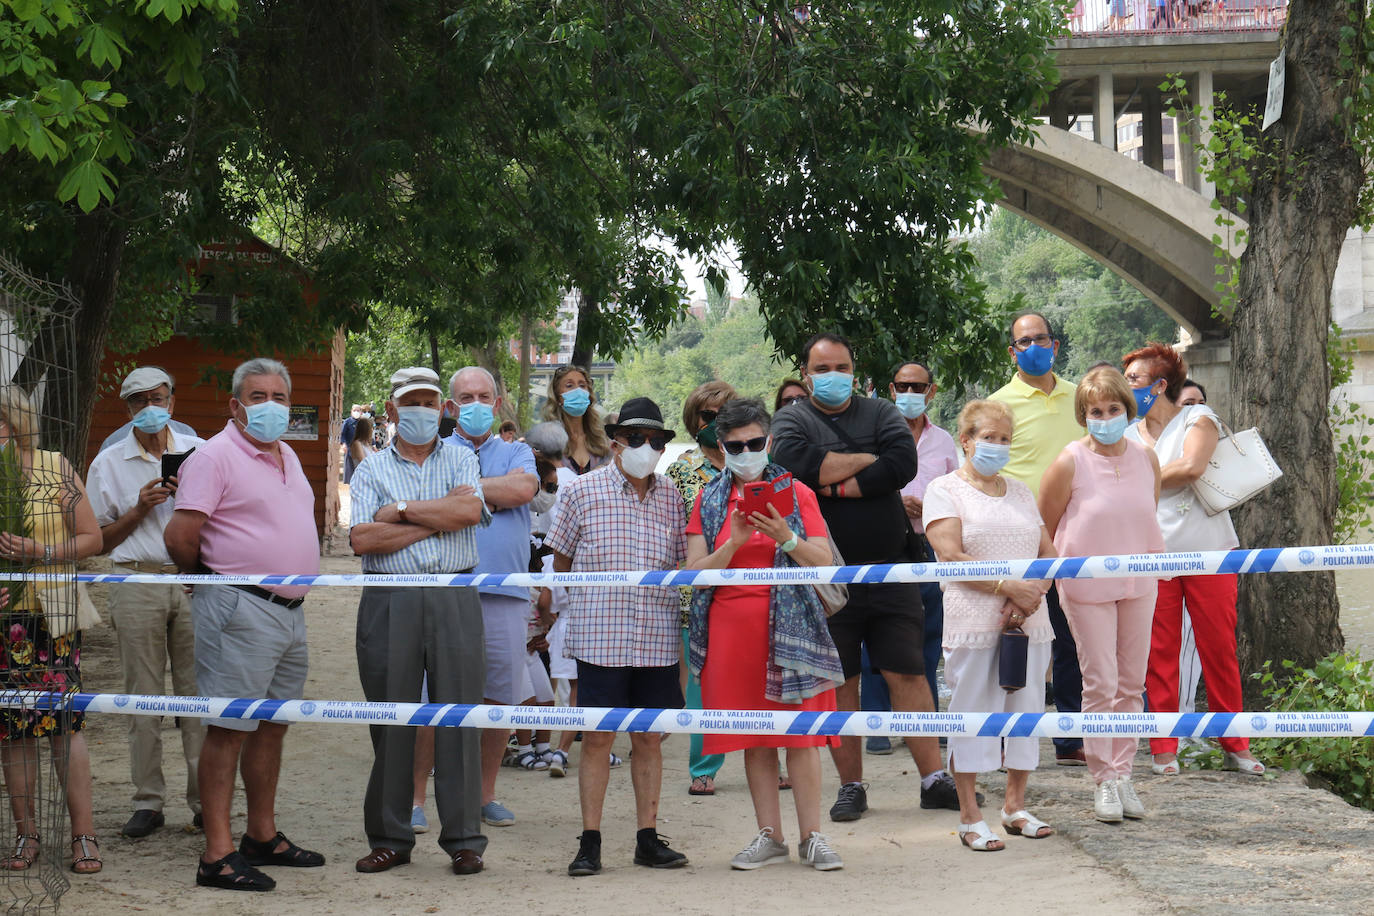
(1040, 468)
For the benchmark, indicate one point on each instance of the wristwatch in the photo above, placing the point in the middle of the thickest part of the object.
(47, 553)
(790, 544)
(401, 510)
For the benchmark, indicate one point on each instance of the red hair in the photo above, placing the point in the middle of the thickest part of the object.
(1165, 362)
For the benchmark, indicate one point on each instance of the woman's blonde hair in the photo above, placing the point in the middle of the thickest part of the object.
(592, 430)
(977, 414)
(16, 408)
(1102, 382)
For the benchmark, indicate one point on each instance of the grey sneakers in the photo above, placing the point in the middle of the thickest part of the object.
(763, 851)
(1130, 802)
(1107, 802)
(815, 851)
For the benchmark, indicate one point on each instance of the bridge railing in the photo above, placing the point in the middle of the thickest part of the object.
(1163, 17)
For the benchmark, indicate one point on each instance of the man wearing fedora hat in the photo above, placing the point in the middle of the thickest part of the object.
(626, 641)
(415, 504)
(133, 503)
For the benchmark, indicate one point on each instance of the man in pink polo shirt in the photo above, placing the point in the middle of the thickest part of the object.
(243, 505)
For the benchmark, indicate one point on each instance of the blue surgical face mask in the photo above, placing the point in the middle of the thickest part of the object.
(576, 402)
(266, 421)
(912, 404)
(475, 418)
(1110, 431)
(418, 425)
(832, 388)
(1144, 399)
(1035, 359)
(152, 419)
(990, 457)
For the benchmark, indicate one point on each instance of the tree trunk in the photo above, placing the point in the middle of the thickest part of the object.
(522, 399)
(1280, 378)
(434, 353)
(588, 329)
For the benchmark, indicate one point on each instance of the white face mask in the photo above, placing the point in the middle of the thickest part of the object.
(543, 501)
(639, 462)
(747, 466)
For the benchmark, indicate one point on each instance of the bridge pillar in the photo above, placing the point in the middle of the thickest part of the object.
(1104, 110)
(1152, 124)
(1209, 362)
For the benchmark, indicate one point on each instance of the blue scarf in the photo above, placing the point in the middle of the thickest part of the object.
(803, 661)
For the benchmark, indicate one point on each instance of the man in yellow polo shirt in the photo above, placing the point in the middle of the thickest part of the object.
(1042, 404)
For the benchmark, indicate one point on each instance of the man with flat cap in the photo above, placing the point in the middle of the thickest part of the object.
(415, 505)
(626, 641)
(133, 503)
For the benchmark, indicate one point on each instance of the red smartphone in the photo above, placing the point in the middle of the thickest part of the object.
(759, 494)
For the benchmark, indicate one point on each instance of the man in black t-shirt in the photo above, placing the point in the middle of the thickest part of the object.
(857, 454)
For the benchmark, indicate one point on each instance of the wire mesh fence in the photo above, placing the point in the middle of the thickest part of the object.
(41, 750)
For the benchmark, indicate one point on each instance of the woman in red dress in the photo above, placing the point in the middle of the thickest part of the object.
(761, 646)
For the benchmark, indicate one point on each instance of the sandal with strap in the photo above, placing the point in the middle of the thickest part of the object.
(241, 876)
(531, 760)
(85, 859)
(983, 838)
(25, 852)
(256, 852)
(1031, 830)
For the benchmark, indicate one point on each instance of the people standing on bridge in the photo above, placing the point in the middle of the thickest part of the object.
(415, 506)
(244, 506)
(763, 646)
(572, 402)
(132, 502)
(1099, 496)
(1184, 440)
(856, 454)
(977, 513)
(627, 641)
(1043, 405)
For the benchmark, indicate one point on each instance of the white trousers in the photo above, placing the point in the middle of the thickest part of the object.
(972, 678)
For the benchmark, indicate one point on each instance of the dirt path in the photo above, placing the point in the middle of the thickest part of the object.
(1214, 841)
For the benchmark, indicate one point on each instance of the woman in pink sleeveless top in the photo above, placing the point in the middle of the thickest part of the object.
(1099, 496)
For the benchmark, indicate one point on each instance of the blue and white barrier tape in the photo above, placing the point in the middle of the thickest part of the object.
(719, 721)
(1149, 565)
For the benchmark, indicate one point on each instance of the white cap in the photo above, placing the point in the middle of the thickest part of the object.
(414, 378)
(144, 378)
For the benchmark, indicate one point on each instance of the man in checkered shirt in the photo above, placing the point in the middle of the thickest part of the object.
(626, 640)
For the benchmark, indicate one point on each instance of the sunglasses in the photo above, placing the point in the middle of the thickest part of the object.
(551, 487)
(905, 387)
(796, 398)
(736, 446)
(708, 417)
(635, 440)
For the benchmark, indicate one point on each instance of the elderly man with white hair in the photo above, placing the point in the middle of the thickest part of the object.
(132, 501)
(509, 482)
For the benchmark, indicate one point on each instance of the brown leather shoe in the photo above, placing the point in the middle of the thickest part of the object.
(466, 862)
(382, 859)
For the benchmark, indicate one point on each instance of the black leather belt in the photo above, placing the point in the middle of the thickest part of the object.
(289, 603)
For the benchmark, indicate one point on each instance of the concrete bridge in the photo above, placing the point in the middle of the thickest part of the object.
(1115, 176)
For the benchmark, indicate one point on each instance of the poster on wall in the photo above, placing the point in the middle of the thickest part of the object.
(304, 422)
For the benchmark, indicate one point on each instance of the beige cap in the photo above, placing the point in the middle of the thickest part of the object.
(413, 379)
(144, 378)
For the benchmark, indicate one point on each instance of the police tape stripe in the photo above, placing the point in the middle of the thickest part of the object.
(1158, 565)
(716, 721)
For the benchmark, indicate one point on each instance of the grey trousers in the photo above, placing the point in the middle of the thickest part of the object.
(404, 634)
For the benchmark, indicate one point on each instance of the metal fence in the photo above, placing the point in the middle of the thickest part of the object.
(1162, 17)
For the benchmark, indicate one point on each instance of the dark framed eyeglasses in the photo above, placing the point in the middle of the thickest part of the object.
(907, 387)
(140, 401)
(635, 440)
(794, 399)
(737, 446)
(1040, 340)
(551, 486)
(708, 417)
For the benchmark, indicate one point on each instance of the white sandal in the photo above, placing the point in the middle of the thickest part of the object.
(982, 837)
(1032, 828)
(1242, 764)
(1165, 769)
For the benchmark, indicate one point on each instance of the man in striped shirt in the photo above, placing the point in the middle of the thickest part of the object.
(415, 504)
(627, 641)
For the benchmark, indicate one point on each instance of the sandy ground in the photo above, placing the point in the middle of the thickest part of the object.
(1214, 841)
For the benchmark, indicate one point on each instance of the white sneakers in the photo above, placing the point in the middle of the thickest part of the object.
(1115, 799)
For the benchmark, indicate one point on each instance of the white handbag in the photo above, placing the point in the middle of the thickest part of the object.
(1240, 467)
